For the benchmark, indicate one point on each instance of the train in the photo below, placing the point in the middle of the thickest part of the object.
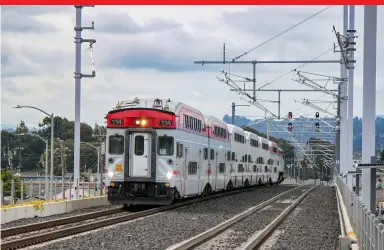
(159, 151)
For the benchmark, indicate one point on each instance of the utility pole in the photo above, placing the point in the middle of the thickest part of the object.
(234, 111)
(351, 40)
(78, 75)
(369, 105)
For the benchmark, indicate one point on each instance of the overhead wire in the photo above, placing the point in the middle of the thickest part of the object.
(278, 78)
(281, 33)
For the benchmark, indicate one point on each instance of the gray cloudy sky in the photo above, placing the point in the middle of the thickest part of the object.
(149, 51)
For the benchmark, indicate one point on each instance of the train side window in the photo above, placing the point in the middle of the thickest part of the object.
(139, 145)
(229, 156)
(179, 148)
(116, 145)
(240, 168)
(192, 168)
(185, 121)
(212, 154)
(233, 156)
(205, 153)
(221, 167)
(165, 145)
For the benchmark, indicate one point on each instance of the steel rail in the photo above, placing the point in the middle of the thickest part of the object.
(259, 238)
(203, 237)
(57, 222)
(52, 235)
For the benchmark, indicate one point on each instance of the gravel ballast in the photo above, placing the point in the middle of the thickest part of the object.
(162, 230)
(314, 224)
(239, 233)
(26, 221)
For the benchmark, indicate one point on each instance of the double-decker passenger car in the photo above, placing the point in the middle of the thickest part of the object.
(158, 151)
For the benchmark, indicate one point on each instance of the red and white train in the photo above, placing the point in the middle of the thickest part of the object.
(158, 151)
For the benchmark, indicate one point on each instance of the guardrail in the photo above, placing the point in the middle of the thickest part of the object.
(367, 228)
(21, 192)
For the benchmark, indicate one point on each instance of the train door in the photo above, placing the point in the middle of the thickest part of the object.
(185, 170)
(200, 174)
(216, 171)
(140, 155)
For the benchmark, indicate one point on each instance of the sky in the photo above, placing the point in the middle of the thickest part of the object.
(149, 52)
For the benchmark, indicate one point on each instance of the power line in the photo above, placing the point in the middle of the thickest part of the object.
(278, 78)
(285, 31)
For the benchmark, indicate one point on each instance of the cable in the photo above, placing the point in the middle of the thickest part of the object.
(285, 31)
(329, 50)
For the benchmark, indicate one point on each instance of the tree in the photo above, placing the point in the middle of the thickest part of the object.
(31, 149)
(21, 128)
(6, 178)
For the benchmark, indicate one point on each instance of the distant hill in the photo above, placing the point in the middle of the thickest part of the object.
(357, 129)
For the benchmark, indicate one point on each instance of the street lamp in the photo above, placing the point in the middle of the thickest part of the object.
(52, 125)
(46, 163)
(98, 163)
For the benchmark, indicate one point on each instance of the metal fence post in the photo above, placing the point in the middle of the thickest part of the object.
(1, 193)
(77, 191)
(12, 192)
(83, 188)
(63, 188)
(70, 189)
(380, 244)
(55, 190)
(89, 189)
(39, 189)
(31, 189)
(22, 190)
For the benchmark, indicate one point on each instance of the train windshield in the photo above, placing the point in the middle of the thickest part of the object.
(165, 146)
(116, 144)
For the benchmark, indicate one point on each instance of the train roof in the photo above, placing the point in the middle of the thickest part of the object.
(174, 107)
(272, 143)
(232, 129)
(251, 135)
(263, 140)
(161, 104)
(211, 119)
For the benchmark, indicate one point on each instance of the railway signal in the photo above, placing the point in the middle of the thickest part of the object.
(289, 115)
(290, 127)
(317, 115)
(317, 127)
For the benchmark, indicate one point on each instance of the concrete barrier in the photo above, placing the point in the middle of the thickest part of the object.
(42, 209)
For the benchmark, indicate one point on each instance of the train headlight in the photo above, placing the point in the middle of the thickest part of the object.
(143, 122)
(111, 174)
(137, 122)
(169, 175)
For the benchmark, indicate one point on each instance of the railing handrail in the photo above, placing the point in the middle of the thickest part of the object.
(368, 229)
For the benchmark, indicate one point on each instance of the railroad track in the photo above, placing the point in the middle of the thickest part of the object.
(220, 236)
(57, 222)
(39, 237)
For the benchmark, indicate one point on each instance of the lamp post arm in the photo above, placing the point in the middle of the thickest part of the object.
(32, 107)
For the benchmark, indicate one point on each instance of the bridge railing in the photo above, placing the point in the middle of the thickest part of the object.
(14, 193)
(367, 228)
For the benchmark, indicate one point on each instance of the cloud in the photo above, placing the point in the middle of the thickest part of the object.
(15, 19)
(122, 23)
(152, 54)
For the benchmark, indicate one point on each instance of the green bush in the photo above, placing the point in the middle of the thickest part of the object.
(6, 178)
